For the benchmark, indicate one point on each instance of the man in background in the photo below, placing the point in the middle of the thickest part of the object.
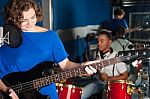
(109, 73)
(118, 20)
(120, 43)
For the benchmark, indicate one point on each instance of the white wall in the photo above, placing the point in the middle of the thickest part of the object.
(72, 33)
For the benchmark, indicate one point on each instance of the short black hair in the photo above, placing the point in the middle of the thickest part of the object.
(119, 11)
(105, 32)
(120, 30)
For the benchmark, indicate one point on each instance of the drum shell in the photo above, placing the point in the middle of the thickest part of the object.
(69, 91)
(118, 90)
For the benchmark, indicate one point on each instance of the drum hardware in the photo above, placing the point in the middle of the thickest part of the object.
(90, 36)
(129, 90)
(142, 81)
(124, 90)
(145, 76)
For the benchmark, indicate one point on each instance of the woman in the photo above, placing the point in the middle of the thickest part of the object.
(38, 45)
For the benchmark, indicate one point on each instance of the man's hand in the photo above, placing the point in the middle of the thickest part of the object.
(104, 76)
(139, 28)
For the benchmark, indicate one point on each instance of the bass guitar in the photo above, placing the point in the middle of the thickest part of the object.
(22, 82)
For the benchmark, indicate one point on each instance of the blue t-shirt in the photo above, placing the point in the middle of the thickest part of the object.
(113, 23)
(36, 47)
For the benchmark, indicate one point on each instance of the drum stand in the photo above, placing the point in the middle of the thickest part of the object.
(142, 83)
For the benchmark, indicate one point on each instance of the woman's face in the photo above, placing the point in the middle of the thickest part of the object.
(29, 20)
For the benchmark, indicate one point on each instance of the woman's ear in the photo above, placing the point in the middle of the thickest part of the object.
(13, 34)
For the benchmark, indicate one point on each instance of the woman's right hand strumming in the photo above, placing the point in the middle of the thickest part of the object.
(8, 90)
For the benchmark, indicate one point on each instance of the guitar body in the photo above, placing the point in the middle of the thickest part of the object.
(17, 78)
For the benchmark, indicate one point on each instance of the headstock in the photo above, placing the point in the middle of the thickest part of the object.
(142, 54)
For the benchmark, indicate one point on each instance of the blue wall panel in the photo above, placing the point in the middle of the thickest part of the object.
(2, 5)
(76, 13)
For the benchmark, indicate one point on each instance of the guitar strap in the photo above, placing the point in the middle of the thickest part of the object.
(123, 47)
(113, 72)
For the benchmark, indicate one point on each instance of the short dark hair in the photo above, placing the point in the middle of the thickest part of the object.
(119, 11)
(120, 30)
(105, 32)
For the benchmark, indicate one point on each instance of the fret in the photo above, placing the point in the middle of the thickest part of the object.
(64, 75)
(67, 74)
(47, 81)
(102, 63)
(50, 79)
(54, 77)
(42, 81)
(105, 63)
(72, 73)
(60, 76)
(111, 61)
(35, 83)
(93, 65)
(96, 67)
(75, 72)
(80, 71)
(57, 78)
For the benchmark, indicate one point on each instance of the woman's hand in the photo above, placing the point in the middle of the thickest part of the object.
(12, 94)
(89, 69)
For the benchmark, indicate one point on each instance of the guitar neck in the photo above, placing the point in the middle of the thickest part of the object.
(76, 72)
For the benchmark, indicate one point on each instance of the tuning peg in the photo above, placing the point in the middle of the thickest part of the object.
(136, 53)
(144, 53)
(129, 54)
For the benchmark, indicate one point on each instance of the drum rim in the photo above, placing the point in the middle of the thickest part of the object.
(67, 85)
(120, 81)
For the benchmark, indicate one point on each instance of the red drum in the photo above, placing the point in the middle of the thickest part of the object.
(119, 90)
(69, 92)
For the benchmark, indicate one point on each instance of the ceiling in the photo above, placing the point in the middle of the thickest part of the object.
(131, 2)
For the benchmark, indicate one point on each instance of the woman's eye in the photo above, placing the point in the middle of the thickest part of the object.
(23, 20)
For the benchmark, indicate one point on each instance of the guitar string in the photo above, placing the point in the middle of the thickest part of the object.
(39, 82)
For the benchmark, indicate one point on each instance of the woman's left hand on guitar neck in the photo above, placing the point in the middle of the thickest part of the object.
(89, 69)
